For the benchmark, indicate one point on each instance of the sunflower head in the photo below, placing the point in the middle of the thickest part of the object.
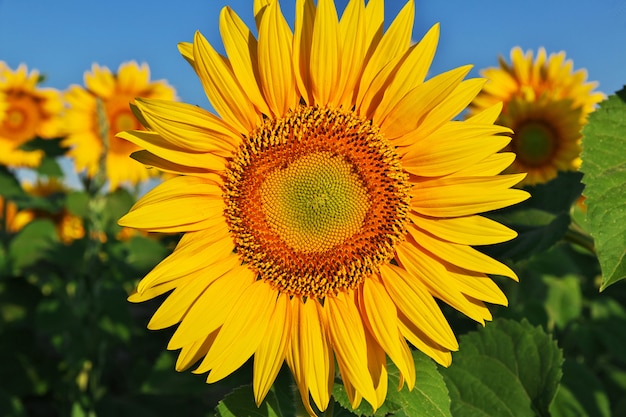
(27, 111)
(326, 206)
(101, 109)
(546, 103)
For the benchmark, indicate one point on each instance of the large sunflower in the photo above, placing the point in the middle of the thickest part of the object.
(546, 103)
(327, 206)
(26, 112)
(102, 109)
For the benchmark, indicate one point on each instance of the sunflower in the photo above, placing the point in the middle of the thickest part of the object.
(327, 206)
(69, 227)
(8, 211)
(26, 112)
(546, 104)
(96, 113)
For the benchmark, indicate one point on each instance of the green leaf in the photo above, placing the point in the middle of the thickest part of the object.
(604, 166)
(49, 167)
(428, 398)
(240, 403)
(580, 394)
(32, 243)
(77, 203)
(9, 185)
(504, 369)
(564, 301)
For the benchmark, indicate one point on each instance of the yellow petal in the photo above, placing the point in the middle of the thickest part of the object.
(186, 50)
(348, 338)
(462, 255)
(212, 307)
(185, 295)
(302, 38)
(192, 352)
(453, 197)
(410, 73)
(316, 353)
(422, 342)
(382, 318)
(180, 204)
(377, 365)
(414, 106)
(157, 145)
(325, 63)
(487, 116)
(468, 230)
(270, 355)
(222, 88)
(451, 148)
(353, 49)
(275, 61)
(492, 165)
(188, 127)
(152, 161)
(241, 47)
(394, 43)
(242, 331)
(414, 301)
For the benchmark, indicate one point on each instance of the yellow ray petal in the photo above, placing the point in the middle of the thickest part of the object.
(382, 317)
(214, 258)
(222, 88)
(433, 275)
(325, 65)
(469, 230)
(492, 165)
(422, 342)
(451, 148)
(150, 293)
(242, 331)
(152, 161)
(157, 145)
(270, 355)
(188, 127)
(487, 116)
(451, 106)
(454, 197)
(212, 307)
(353, 49)
(185, 295)
(302, 38)
(241, 47)
(377, 365)
(348, 338)
(192, 352)
(461, 255)
(410, 73)
(180, 204)
(259, 8)
(394, 43)
(414, 106)
(275, 63)
(316, 353)
(186, 50)
(414, 301)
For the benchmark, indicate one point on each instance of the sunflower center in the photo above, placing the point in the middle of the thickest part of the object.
(21, 120)
(534, 143)
(316, 201)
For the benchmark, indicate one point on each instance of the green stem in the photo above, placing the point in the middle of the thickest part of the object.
(576, 235)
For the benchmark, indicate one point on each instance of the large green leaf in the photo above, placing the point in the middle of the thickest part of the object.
(33, 243)
(429, 397)
(604, 166)
(504, 369)
(581, 394)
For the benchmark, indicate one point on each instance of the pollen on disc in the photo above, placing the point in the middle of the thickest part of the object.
(316, 202)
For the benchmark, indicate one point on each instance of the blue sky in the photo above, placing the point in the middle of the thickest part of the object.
(62, 38)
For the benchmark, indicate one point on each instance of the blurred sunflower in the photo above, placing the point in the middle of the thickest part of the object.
(26, 112)
(546, 104)
(69, 227)
(86, 126)
(8, 211)
(327, 206)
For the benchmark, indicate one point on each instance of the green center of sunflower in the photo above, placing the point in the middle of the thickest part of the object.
(534, 143)
(316, 201)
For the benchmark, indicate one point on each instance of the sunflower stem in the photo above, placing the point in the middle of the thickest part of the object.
(576, 235)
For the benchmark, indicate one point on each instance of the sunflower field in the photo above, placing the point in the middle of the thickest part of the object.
(342, 232)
